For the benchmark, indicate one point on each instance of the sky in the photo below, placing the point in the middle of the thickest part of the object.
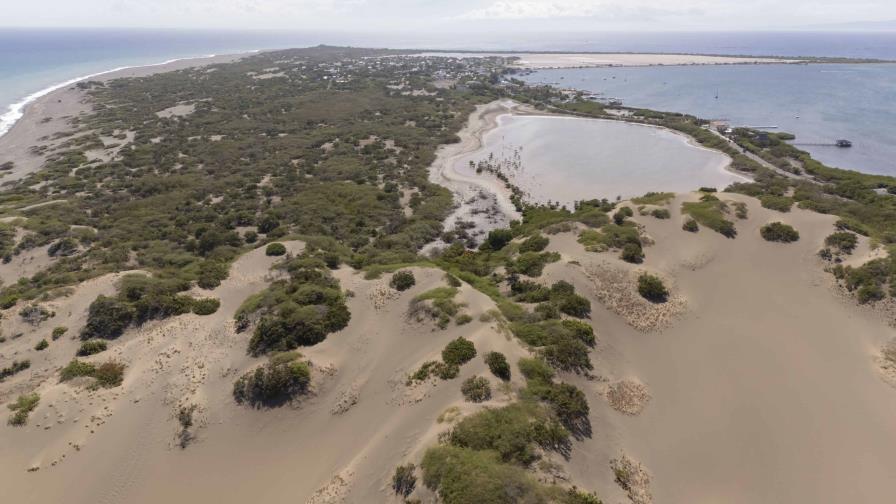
(454, 15)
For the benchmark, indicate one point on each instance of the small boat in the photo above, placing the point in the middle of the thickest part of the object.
(844, 143)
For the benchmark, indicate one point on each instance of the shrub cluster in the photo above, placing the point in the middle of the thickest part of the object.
(91, 347)
(710, 212)
(561, 295)
(437, 304)
(404, 481)
(109, 374)
(300, 311)
(14, 368)
(23, 407)
(844, 241)
(280, 380)
(275, 249)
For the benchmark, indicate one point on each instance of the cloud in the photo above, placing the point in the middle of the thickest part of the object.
(607, 9)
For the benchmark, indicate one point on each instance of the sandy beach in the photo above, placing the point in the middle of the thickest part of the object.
(52, 113)
(540, 61)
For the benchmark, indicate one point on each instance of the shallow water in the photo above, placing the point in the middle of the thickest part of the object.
(564, 159)
(818, 103)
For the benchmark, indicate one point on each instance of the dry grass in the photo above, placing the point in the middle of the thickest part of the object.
(616, 288)
(628, 397)
(633, 478)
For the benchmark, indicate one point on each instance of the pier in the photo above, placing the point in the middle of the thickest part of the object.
(839, 143)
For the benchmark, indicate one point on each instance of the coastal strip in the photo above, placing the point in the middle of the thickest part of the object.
(49, 111)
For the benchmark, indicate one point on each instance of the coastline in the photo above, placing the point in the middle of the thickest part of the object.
(47, 112)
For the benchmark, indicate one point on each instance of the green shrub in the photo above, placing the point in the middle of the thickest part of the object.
(476, 389)
(275, 249)
(574, 305)
(513, 431)
(14, 368)
(710, 212)
(8, 301)
(779, 232)
(869, 293)
(108, 374)
(690, 226)
(632, 253)
(76, 369)
(458, 352)
(661, 213)
(498, 365)
(773, 202)
(205, 306)
(91, 347)
(531, 264)
(404, 481)
(41, 345)
(465, 476)
(535, 243)
(211, 274)
(497, 239)
(463, 319)
(58, 332)
(272, 384)
(107, 318)
(654, 198)
(651, 288)
(844, 241)
(402, 280)
(23, 406)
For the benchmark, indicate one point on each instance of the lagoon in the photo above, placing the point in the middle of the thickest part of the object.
(565, 159)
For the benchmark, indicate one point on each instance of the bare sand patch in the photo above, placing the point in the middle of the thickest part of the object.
(179, 110)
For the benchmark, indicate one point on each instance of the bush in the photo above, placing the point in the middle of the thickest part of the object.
(92, 347)
(211, 273)
(535, 243)
(661, 213)
(512, 431)
(574, 305)
(58, 332)
(779, 203)
(107, 318)
(404, 481)
(402, 280)
(15, 367)
(476, 389)
(272, 384)
(41, 345)
(842, 240)
(459, 352)
(779, 232)
(465, 476)
(498, 365)
(275, 249)
(690, 226)
(497, 239)
(109, 374)
(205, 306)
(76, 369)
(869, 294)
(632, 253)
(63, 248)
(23, 406)
(651, 288)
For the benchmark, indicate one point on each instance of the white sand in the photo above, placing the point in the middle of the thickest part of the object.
(537, 61)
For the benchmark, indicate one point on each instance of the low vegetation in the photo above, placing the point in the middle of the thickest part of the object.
(108, 374)
(710, 211)
(779, 232)
(283, 378)
(402, 280)
(14, 368)
(91, 347)
(498, 365)
(476, 389)
(21, 408)
(651, 288)
(436, 304)
(298, 311)
(404, 481)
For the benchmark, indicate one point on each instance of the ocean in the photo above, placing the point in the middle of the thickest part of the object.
(818, 103)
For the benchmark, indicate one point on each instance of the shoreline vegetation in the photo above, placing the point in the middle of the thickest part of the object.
(263, 200)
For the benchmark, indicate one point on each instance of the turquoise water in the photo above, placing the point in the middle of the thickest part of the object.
(564, 159)
(818, 103)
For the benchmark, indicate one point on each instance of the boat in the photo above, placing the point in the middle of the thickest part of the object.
(844, 143)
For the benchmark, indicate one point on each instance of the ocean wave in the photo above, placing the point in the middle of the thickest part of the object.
(17, 109)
